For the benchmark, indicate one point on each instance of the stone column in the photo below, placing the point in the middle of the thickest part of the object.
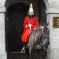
(3, 54)
(53, 50)
(53, 11)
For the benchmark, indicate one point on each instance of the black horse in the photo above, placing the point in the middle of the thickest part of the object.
(39, 40)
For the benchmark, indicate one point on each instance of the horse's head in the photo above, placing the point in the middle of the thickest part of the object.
(41, 35)
(38, 36)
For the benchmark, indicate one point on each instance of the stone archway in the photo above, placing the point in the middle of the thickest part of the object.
(14, 8)
(12, 23)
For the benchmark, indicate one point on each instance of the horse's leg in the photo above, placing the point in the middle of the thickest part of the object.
(30, 51)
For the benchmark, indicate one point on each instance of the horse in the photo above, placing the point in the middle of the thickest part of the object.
(39, 39)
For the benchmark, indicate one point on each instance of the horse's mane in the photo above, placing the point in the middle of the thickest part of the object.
(33, 36)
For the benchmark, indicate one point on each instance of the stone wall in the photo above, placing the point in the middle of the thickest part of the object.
(2, 30)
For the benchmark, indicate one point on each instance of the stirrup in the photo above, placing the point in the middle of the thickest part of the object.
(23, 49)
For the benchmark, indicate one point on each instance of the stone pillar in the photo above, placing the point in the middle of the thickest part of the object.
(3, 54)
(53, 11)
(53, 50)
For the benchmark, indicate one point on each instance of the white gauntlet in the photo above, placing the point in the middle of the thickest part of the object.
(34, 28)
(26, 26)
(29, 25)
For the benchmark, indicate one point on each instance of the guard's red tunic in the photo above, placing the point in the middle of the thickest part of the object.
(29, 25)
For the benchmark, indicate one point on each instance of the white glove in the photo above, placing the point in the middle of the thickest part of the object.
(34, 28)
(26, 26)
(29, 25)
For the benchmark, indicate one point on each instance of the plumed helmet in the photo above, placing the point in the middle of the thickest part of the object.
(31, 11)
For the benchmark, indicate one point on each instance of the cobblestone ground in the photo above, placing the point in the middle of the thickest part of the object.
(35, 55)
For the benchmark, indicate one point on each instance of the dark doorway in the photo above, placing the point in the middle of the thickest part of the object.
(14, 26)
(42, 11)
